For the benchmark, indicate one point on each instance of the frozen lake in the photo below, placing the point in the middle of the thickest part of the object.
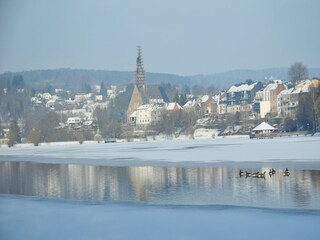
(161, 190)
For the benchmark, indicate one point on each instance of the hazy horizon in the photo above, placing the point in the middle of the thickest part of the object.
(177, 37)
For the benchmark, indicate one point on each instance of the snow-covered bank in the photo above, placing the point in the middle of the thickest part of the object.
(29, 218)
(299, 150)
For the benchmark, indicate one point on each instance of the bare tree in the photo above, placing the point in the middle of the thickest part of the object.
(297, 71)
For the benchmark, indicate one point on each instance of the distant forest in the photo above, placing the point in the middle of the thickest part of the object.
(71, 79)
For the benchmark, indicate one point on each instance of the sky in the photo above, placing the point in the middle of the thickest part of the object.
(177, 36)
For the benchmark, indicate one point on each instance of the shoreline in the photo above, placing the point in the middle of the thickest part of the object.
(158, 138)
(298, 152)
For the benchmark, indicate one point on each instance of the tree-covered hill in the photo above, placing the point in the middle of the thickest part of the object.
(73, 78)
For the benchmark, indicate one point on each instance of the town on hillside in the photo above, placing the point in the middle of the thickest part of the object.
(105, 112)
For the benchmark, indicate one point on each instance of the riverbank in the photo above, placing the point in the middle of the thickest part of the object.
(218, 152)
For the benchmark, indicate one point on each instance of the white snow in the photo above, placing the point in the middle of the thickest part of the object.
(242, 87)
(202, 133)
(218, 150)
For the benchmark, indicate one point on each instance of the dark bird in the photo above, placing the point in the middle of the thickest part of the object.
(286, 172)
(272, 171)
(255, 174)
(261, 175)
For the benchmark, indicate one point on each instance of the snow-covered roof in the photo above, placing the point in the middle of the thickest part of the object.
(242, 87)
(190, 103)
(172, 106)
(300, 90)
(263, 126)
(294, 91)
(204, 98)
(271, 86)
(144, 107)
(134, 114)
(286, 91)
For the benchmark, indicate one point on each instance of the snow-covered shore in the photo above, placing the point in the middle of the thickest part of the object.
(222, 151)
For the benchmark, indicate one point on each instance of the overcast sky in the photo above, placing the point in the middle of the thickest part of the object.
(177, 36)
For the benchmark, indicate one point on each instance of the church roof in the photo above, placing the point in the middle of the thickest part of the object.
(156, 92)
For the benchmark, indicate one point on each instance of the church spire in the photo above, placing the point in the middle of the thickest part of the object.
(140, 75)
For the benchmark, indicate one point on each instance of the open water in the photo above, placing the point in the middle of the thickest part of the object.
(162, 185)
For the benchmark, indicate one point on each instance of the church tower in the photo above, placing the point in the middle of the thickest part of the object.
(139, 94)
(140, 75)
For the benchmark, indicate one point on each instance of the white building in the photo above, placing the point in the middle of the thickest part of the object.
(146, 115)
(268, 97)
(73, 120)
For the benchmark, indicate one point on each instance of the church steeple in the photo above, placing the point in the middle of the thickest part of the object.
(139, 95)
(140, 74)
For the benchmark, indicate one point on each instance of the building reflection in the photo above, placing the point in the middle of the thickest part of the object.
(157, 185)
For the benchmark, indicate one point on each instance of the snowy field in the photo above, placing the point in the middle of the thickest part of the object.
(303, 152)
(41, 218)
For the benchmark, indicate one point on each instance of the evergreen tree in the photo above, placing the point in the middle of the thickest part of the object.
(103, 90)
(14, 134)
(176, 98)
(35, 136)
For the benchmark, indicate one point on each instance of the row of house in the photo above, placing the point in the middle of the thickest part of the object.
(256, 99)
(275, 97)
(253, 98)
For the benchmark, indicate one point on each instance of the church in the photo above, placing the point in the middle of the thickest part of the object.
(143, 95)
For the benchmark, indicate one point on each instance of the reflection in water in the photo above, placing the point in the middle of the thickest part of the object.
(158, 185)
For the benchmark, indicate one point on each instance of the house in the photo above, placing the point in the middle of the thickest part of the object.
(112, 92)
(82, 97)
(305, 85)
(99, 98)
(221, 100)
(288, 101)
(239, 108)
(50, 104)
(267, 97)
(47, 96)
(156, 112)
(146, 114)
(71, 121)
(172, 106)
(192, 105)
(208, 106)
(243, 93)
(222, 108)
(143, 116)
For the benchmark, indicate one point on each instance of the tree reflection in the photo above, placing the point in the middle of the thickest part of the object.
(158, 185)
